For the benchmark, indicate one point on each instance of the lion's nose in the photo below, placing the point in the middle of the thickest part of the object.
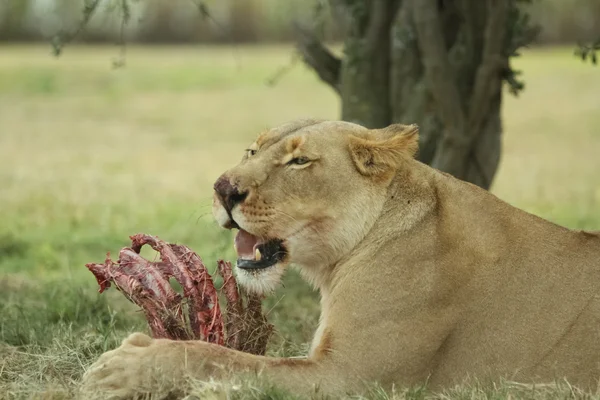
(228, 193)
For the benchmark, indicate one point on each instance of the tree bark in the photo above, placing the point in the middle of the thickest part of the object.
(362, 77)
(365, 71)
(437, 63)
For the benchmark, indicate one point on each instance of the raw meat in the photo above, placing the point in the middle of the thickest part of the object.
(196, 313)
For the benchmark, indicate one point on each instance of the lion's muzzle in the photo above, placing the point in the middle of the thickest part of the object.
(254, 253)
(229, 196)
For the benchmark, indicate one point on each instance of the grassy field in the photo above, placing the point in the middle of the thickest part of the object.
(90, 155)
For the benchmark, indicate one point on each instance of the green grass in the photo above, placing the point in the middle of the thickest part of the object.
(90, 155)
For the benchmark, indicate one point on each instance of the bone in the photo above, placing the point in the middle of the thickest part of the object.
(204, 308)
(151, 292)
(146, 284)
(235, 307)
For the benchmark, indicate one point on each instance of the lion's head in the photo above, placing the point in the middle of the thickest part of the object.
(306, 193)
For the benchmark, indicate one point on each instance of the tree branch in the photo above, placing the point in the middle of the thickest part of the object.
(318, 57)
(439, 74)
(62, 38)
(493, 63)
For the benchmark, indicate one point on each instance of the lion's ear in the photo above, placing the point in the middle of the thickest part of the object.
(394, 130)
(384, 149)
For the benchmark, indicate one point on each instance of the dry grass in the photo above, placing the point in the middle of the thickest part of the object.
(550, 165)
(90, 155)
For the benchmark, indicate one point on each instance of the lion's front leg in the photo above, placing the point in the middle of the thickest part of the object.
(142, 365)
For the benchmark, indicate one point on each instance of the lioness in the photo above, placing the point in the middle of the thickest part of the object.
(423, 277)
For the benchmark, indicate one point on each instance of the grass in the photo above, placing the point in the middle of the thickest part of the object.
(90, 155)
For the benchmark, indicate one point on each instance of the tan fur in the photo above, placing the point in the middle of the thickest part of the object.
(423, 277)
(263, 137)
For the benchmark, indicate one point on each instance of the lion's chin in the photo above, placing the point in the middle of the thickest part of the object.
(261, 281)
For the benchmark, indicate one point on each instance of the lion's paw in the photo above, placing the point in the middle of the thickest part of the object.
(126, 372)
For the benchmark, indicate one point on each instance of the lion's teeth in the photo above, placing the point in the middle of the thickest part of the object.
(257, 255)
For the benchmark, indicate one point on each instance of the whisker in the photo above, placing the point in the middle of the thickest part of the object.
(202, 216)
(285, 214)
(314, 229)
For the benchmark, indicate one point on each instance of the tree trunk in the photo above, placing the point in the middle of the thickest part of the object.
(437, 63)
(365, 73)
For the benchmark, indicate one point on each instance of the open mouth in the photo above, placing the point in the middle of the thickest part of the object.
(254, 253)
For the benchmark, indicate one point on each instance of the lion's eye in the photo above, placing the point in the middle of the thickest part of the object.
(299, 160)
(251, 152)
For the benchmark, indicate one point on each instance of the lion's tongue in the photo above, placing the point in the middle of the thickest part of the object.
(244, 244)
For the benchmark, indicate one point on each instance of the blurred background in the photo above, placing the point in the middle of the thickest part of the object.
(108, 140)
(240, 21)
